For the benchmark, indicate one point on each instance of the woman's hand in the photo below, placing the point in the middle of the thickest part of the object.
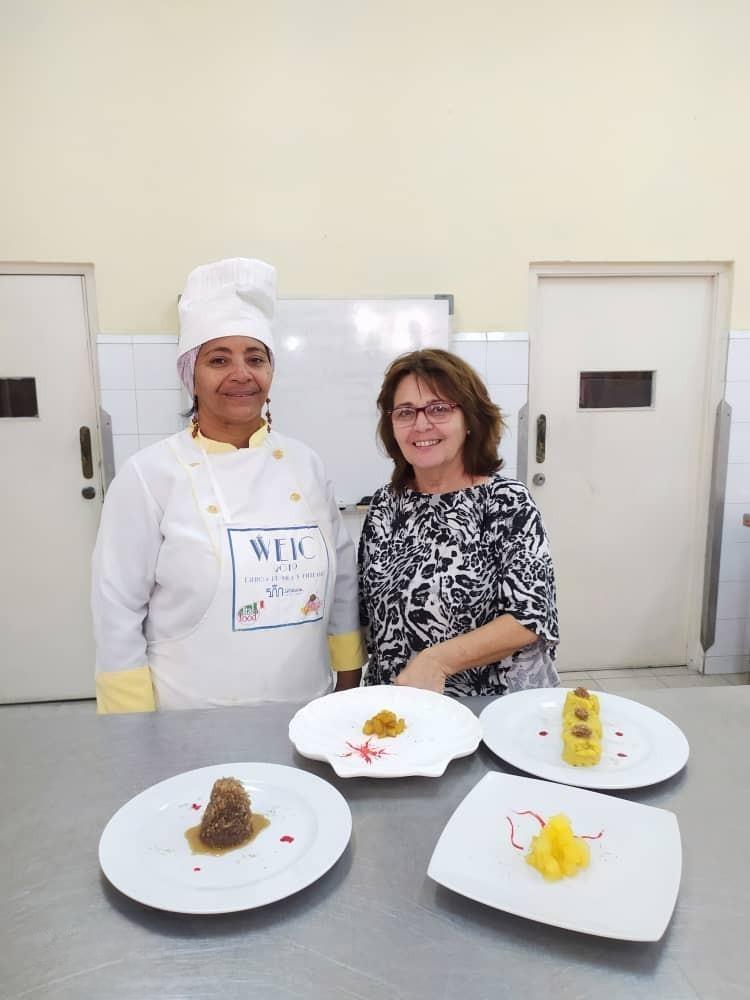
(486, 644)
(426, 670)
(348, 679)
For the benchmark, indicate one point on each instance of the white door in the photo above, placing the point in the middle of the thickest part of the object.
(47, 527)
(622, 369)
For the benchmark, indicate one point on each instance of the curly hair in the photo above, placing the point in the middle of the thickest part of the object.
(456, 382)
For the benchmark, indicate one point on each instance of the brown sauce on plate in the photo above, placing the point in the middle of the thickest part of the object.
(258, 822)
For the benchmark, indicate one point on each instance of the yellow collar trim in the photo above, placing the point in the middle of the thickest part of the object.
(222, 447)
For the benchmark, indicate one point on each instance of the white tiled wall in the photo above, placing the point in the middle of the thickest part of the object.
(730, 651)
(141, 391)
(502, 359)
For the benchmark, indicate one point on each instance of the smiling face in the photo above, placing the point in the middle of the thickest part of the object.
(434, 450)
(232, 379)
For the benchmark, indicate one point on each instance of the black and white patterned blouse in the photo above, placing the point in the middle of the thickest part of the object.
(434, 566)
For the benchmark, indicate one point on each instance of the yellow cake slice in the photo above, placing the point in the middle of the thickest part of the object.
(581, 729)
(580, 747)
(583, 716)
(581, 698)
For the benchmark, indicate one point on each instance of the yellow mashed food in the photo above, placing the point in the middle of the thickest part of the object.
(556, 851)
(385, 723)
(582, 729)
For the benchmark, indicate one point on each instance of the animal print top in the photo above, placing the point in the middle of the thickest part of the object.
(434, 566)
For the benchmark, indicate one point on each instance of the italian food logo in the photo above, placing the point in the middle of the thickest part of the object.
(249, 613)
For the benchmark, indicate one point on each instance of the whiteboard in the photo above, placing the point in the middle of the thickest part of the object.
(331, 355)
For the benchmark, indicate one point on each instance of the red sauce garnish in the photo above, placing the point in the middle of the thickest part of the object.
(622, 755)
(513, 835)
(618, 733)
(528, 812)
(367, 752)
(543, 732)
(286, 839)
(196, 869)
(196, 805)
(537, 817)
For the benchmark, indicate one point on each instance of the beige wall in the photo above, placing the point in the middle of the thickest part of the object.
(385, 147)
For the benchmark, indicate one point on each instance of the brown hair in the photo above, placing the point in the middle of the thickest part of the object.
(457, 382)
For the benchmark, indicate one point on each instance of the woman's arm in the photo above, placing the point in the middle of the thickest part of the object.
(486, 644)
(123, 575)
(345, 644)
(348, 679)
(526, 596)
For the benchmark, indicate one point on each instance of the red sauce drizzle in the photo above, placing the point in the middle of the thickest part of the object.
(513, 835)
(543, 732)
(196, 869)
(537, 817)
(618, 733)
(528, 812)
(196, 805)
(622, 755)
(367, 752)
(286, 839)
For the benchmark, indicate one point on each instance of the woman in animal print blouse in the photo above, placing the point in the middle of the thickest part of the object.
(457, 590)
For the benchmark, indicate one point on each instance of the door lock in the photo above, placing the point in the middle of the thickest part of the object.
(88, 492)
(539, 479)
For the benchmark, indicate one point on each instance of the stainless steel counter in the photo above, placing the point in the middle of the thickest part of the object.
(375, 926)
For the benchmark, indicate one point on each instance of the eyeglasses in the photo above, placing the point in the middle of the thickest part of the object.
(437, 413)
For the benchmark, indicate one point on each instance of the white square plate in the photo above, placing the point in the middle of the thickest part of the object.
(628, 891)
(438, 730)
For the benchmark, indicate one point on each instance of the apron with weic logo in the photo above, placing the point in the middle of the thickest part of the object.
(279, 574)
(264, 635)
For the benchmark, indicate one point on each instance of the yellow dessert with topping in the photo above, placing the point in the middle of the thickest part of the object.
(581, 729)
(583, 717)
(581, 698)
(556, 852)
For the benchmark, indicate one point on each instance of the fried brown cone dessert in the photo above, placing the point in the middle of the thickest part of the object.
(227, 820)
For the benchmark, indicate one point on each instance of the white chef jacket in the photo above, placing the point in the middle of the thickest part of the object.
(160, 558)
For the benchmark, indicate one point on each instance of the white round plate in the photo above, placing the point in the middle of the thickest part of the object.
(639, 746)
(144, 853)
(438, 729)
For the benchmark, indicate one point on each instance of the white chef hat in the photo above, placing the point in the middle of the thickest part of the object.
(234, 297)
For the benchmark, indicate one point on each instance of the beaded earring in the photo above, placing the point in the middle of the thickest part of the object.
(196, 427)
(268, 412)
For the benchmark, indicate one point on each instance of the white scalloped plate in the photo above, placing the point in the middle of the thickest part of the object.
(438, 730)
(639, 745)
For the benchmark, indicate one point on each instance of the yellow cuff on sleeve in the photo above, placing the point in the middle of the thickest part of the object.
(124, 691)
(347, 651)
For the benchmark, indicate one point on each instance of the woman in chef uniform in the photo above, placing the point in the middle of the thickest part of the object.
(223, 573)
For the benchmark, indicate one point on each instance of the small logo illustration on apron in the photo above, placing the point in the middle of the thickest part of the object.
(311, 606)
(249, 613)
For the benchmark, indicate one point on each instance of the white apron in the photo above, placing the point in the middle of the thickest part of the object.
(264, 635)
